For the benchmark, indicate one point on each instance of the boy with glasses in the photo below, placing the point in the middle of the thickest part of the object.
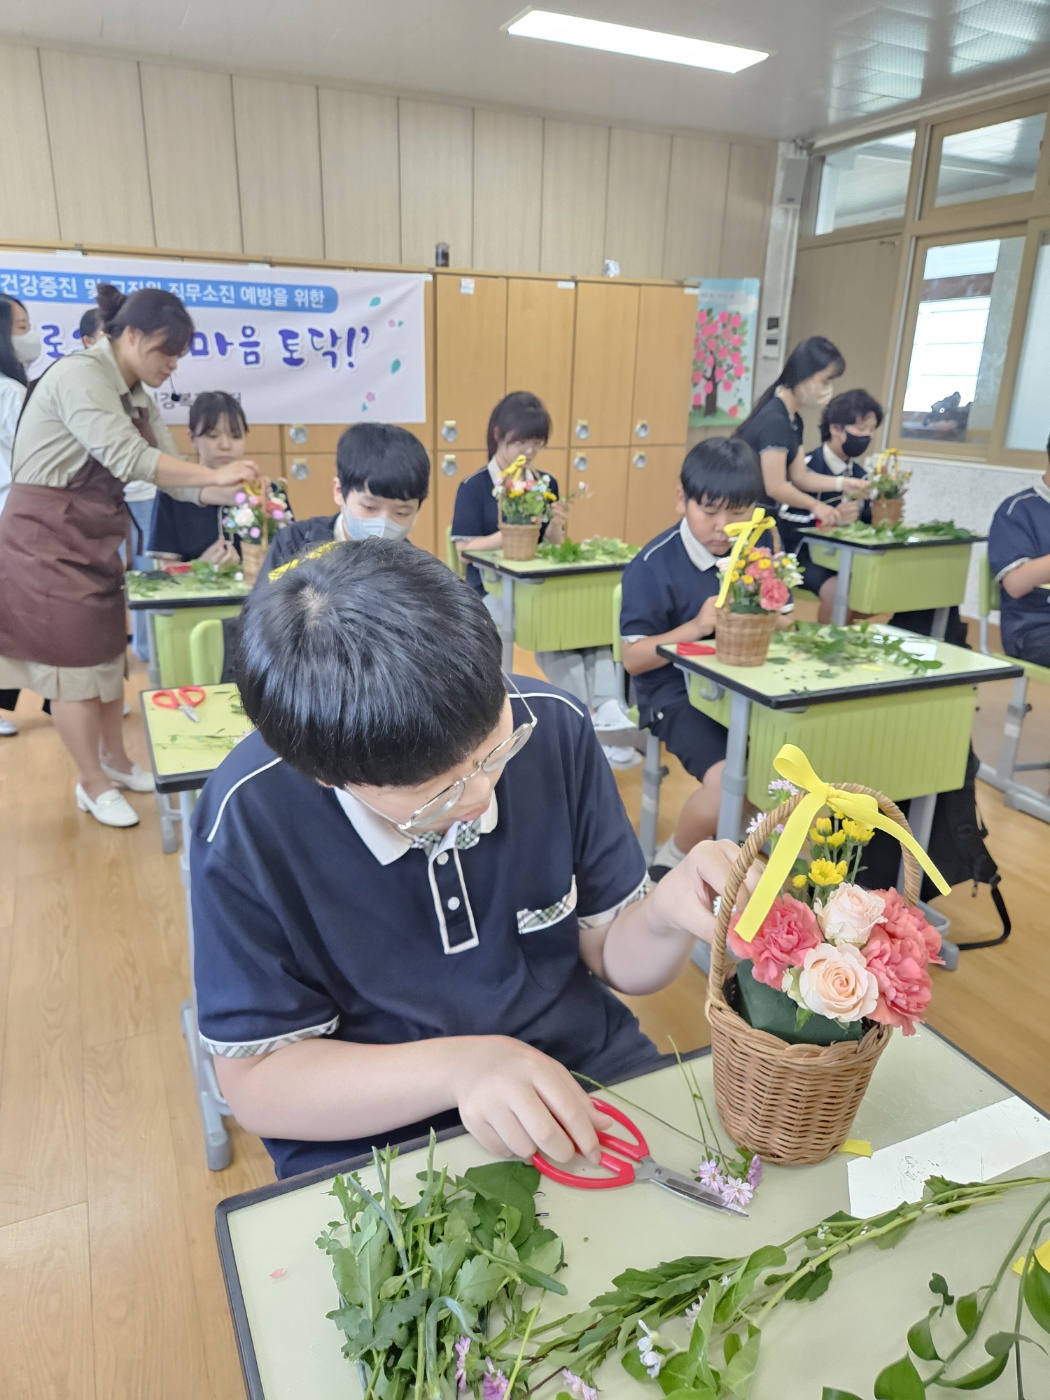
(412, 884)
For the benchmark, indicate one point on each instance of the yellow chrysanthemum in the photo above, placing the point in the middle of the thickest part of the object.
(857, 831)
(823, 824)
(800, 881)
(823, 872)
(815, 836)
(765, 563)
(837, 839)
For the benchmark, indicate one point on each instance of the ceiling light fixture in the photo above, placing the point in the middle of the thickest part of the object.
(637, 43)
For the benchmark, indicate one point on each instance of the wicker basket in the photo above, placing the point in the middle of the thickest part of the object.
(887, 512)
(252, 558)
(792, 1104)
(519, 542)
(742, 639)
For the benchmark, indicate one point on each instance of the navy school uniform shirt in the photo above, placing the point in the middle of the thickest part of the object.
(773, 426)
(1020, 531)
(476, 514)
(287, 543)
(183, 527)
(314, 917)
(825, 463)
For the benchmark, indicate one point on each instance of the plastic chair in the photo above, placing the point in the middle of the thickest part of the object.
(452, 555)
(1017, 795)
(207, 652)
(653, 771)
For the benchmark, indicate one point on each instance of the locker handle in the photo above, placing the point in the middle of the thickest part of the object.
(640, 460)
(300, 469)
(449, 465)
(583, 429)
(449, 430)
(580, 462)
(641, 428)
(298, 433)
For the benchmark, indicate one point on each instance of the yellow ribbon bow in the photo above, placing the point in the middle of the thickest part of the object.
(792, 763)
(745, 531)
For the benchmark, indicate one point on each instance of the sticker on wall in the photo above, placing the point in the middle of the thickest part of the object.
(466, 286)
(723, 351)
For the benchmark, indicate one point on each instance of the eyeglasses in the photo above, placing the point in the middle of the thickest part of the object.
(449, 797)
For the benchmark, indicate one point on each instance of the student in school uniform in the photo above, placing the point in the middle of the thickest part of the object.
(1019, 555)
(415, 883)
(669, 593)
(520, 427)
(183, 530)
(847, 426)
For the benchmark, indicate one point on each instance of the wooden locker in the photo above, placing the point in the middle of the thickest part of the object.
(423, 532)
(310, 494)
(541, 318)
(653, 476)
(603, 364)
(603, 472)
(471, 358)
(451, 469)
(425, 430)
(663, 364)
(320, 437)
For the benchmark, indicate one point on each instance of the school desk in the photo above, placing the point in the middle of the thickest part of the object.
(894, 575)
(879, 725)
(182, 754)
(549, 606)
(173, 606)
(280, 1284)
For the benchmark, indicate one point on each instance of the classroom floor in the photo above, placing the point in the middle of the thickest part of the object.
(110, 1285)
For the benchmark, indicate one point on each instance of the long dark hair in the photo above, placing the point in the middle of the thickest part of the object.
(148, 310)
(808, 358)
(522, 417)
(11, 367)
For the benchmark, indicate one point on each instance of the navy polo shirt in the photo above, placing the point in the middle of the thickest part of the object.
(313, 916)
(1020, 531)
(665, 586)
(183, 527)
(821, 460)
(476, 515)
(287, 543)
(773, 426)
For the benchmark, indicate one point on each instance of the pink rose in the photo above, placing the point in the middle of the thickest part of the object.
(903, 922)
(787, 934)
(850, 915)
(904, 984)
(837, 982)
(773, 593)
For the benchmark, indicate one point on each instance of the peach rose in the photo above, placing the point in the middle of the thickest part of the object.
(835, 982)
(850, 915)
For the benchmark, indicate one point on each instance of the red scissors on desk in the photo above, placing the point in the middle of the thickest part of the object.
(186, 699)
(639, 1167)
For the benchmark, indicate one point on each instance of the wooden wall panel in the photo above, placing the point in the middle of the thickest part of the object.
(192, 158)
(437, 181)
(696, 206)
(749, 200)
(360, 173)
(508, 148)
(636, 206)
(25, 157)
(575, 183)
(279, 160)
(98, 148)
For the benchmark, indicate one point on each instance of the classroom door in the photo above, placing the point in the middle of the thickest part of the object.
(653, 476)
(471, 358)
(453, 468)
(541, 319)
(603, 364)
(601, 472)
(663, 364)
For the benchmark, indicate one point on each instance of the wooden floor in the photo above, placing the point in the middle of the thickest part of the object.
(109, 1280)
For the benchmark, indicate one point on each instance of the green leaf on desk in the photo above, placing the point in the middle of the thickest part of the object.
(1037, 1294)
(920, 1338)
(981, 1376)
(901, 1381)
(811, 1286)
(831, 1392)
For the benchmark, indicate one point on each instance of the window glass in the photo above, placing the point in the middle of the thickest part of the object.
(990, 162)
(1029, 424)
(861, 184)
(961, 329)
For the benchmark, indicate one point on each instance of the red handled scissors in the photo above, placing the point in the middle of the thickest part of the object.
(639, 1167)
(186, 699)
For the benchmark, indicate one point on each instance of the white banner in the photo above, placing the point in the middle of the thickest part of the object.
(294, 345)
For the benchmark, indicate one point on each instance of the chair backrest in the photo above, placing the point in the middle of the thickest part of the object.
(987, 589)
(617, 598)
(207, 652)
(452, 558)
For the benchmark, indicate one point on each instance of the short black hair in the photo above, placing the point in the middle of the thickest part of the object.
(209, 409)
(384, 460)
(370, 662)
(723, 471)
(150, 310)
(90, 323)
(847, 408)
(522, 417)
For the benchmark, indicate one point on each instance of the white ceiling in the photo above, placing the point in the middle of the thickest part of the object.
(833, 61)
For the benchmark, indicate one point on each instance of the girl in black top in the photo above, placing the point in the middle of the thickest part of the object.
(182, 530)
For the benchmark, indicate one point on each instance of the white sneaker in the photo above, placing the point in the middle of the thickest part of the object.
(111, 809)
(611, 715)
(7, 728)
(138, 780)
(624, 757)
(127, 709)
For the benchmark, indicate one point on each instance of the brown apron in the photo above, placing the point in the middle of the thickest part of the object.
(61, 575)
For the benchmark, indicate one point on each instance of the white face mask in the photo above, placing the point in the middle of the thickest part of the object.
(379, 527)
(27, 347)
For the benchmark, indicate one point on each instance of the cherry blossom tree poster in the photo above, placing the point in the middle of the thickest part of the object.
(724, 351)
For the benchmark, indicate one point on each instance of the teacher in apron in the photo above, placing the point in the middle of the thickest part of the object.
(88, 427)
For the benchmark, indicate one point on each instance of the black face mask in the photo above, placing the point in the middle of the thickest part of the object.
(855, 446)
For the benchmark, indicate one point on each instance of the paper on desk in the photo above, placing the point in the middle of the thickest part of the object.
(976, 1147)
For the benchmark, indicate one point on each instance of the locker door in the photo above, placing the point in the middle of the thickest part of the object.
(453, 468)
(541, 318)
(310, 476)
(425, 431)
(664, 364)
(603, 511)
(471, 358)
(603, 364)
(653, 475)
(423, 530)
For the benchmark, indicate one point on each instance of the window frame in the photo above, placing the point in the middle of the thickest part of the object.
(1036, 231)
(808, 237)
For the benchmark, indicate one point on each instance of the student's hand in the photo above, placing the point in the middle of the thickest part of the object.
(560, 514)
(827, 515)
(685, 896)
(516, 1100)
(236, 472)
(856, 487)
(221, 552)
(705, 618)
(847, 512)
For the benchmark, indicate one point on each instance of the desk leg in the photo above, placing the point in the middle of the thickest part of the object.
(940, 623)
(210, 1102)
(507, 626)
(840, 609)
(734, 790)
(920, 819)
(169, 836)
(153, 663)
